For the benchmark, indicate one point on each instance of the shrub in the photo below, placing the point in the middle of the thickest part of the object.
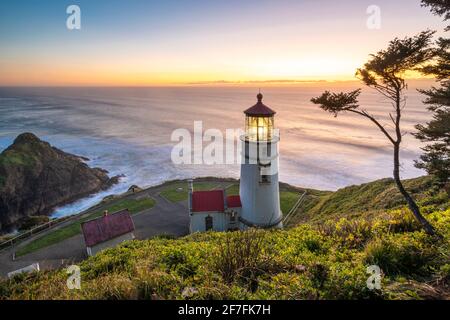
(405, 254)
(444, 274)
(110, 287)
(242, 256)
(318, 274)
(155, 285)
(32, 221)
(108, 261)
(287, 286)
(347, 281)
(313, 245)
(402, 220)
(348, 233)
(176, 259)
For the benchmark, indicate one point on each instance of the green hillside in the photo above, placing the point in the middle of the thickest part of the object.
(366, 200)
(326, 260)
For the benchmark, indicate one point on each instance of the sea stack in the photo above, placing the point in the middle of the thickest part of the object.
(36, 177)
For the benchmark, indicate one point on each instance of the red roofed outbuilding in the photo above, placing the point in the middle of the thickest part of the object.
(107, 231)
(213, 210)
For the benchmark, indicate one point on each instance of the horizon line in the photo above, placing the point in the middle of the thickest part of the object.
(218, 83)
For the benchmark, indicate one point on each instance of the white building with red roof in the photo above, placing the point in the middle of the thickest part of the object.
(107, 231)
(213, 210)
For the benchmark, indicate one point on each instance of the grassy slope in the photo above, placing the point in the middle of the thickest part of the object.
(288, 195)
(73, 229)
(20, 156)
(354, 201)
(299, 263)
(310, 261)
(178, 191)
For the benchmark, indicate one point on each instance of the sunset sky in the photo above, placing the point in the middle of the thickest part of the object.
(181, 42)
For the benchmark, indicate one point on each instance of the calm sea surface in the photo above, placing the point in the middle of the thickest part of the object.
(127, 131)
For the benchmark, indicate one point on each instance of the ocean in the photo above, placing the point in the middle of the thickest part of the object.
(128, 131)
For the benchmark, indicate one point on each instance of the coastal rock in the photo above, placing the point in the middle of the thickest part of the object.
(36, 177)
(134, 188)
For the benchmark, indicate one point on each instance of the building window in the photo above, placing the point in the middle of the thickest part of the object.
(265, 178)
(208, 223)
(233, 217)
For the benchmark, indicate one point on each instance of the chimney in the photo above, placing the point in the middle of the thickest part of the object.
(105, 213)
(190, 191)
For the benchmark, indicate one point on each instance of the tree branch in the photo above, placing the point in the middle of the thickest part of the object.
(378, 124)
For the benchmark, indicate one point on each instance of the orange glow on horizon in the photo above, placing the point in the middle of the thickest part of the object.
(272, 74)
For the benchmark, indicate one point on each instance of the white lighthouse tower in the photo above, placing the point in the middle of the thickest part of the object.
(259, 190)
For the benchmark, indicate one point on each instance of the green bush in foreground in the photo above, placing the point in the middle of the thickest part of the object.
(306, 262)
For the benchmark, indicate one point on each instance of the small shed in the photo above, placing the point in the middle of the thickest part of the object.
(234, 206)
(212, 210)
(107, 231)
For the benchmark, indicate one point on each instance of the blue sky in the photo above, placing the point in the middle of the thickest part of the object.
(190, 40)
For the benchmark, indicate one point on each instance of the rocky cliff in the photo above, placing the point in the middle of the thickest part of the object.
(36, 177)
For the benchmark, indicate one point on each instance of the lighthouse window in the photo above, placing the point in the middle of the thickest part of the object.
(265, 178)
(259, 128)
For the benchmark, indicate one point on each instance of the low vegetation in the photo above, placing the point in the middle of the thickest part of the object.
(21, 157)
(14, 158)
(33, 221)
(233, 190)
(179, 191)
(369, 199)
(309, 261)
(74, 228)
(288, 200)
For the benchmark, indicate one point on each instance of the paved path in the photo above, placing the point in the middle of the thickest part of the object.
(164, 218)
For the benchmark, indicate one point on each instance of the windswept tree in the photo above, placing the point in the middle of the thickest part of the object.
(440, 8)
(385, 72)
(436, 157)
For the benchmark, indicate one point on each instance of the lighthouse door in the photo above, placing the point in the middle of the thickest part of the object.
(208, 223)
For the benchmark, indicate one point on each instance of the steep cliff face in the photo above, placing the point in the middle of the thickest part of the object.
(36, 177)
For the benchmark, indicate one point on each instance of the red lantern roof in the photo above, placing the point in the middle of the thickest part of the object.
(259, 109)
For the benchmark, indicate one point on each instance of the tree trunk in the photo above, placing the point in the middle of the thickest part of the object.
(411, 203)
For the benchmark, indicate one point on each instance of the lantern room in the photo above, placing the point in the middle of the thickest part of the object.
(259, 122)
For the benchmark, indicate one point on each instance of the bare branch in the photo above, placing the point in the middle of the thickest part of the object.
(375, 121)
(392, 118)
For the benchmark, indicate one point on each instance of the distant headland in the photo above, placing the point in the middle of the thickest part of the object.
(36, 177)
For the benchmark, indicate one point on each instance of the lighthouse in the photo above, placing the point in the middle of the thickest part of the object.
(258, 202)
(259, 190)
